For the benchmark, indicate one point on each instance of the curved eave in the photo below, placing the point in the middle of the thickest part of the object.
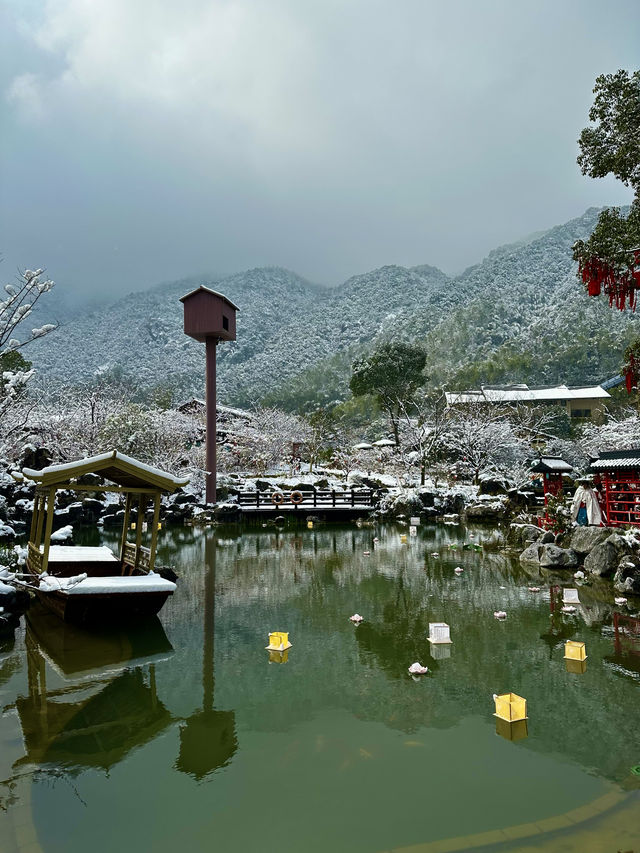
(114, 466)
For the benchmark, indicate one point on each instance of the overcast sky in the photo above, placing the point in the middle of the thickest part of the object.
(147, 140)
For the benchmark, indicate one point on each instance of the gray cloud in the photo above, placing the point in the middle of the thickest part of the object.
(150, 140)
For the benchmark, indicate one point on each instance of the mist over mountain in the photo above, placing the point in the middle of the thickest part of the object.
(519, 315)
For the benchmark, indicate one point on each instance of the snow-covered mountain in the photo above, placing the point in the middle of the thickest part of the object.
(518, 315)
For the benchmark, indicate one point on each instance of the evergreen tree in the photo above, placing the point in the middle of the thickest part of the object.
(392, 374)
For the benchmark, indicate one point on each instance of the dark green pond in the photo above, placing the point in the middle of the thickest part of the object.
(184, 736)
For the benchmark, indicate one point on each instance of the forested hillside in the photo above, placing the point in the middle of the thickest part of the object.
(519, 315)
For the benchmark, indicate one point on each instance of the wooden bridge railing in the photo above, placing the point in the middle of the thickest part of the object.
(318, 499)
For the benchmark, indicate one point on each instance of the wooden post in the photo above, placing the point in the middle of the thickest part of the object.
(34, 516)
(40, 521)
(333, 496)
(154, 532)
(47, 533)
(125, 528)
(141, 508)
(211, 344)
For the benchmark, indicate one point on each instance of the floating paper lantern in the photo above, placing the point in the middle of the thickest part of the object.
(278, 641)
(439, 632)
(575, 650)
(510, 707)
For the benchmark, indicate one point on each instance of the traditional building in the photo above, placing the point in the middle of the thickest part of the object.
(582, 402)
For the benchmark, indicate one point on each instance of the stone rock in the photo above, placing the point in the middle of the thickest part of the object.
(486, 512)
(627, 576)
(585, 539)
(35, 457)
(605, 557)
(264, 486)
(552, 557)
(532, 553)
(427, 498)
(92, 509)
(90, 480)
(184, 498)
(225, 511)
(494, 485)
(7, 534)
(548, 537)
(322, 483)
(111, 520)
(521, 534)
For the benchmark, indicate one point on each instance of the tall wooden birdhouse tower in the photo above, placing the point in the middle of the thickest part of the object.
(210, 317)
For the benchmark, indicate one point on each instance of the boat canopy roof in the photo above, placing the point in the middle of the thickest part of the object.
(114, 466)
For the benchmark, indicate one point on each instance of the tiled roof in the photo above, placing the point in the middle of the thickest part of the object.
(617, 459)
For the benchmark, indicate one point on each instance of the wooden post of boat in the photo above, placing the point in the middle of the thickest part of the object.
(141, 510)
(40, 521)
(125, 527)
(47, 533)
(34, 517)
(154, 531)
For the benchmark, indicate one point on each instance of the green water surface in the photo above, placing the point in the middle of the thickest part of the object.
(183, 736)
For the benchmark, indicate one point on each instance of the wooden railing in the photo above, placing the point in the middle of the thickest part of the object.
(129, 557)
(318, 499)
(34, 558)
(143, 561)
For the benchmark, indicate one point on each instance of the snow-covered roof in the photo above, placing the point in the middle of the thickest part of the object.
(613, 459)
(550, 464)
(525, 394)
(212, 292)
(197, 403)
(114, 466)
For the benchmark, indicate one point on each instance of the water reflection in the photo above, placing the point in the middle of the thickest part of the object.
(516, 730)
(108, 704)
(342, 718)
(208, 738)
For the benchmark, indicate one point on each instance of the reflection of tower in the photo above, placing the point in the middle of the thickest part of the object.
(208, 738)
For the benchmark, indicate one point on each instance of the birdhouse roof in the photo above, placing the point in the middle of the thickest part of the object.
(212, 292)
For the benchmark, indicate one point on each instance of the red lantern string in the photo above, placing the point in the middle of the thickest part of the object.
(621, 288)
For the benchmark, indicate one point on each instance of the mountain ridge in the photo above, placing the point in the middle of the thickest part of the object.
(517, 315)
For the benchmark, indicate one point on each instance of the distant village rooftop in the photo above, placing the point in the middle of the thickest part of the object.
(584, 402)
(525, 394)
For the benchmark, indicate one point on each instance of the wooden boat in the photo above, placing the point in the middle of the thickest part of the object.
(89, 585)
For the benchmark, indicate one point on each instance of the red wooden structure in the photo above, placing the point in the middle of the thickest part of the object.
(551, 468)
(619, 473)
(210, 317)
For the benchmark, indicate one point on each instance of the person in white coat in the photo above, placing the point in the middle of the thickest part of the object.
(585, 508)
